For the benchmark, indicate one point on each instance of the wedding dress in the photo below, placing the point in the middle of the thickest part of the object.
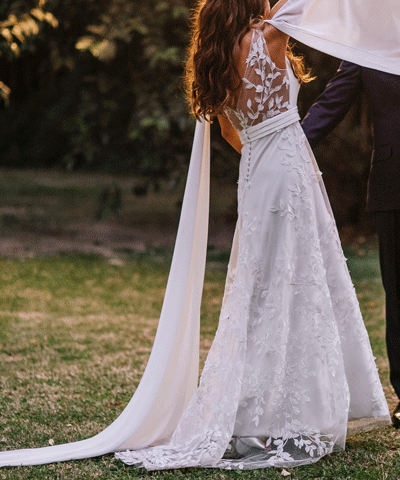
(291, 362)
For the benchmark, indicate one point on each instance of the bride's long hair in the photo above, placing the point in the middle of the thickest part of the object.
(218, 27)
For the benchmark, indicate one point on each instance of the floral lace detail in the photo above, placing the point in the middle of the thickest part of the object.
(291, 361)
(265, 88)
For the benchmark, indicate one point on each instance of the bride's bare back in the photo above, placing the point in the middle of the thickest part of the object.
(276, 43)
(264, 90)
(261, 64)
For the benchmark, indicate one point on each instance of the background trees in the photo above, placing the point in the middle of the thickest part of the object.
(97, 85)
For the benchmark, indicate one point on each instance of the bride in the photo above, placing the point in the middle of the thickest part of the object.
(291, 364)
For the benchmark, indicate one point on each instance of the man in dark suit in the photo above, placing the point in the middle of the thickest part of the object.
(382, 91)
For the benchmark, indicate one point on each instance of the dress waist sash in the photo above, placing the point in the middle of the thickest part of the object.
(271, 125)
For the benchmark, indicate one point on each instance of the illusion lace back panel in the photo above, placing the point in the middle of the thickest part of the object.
(265, 88)
(291, 360)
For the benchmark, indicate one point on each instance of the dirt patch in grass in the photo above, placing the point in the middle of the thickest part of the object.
(44, 213)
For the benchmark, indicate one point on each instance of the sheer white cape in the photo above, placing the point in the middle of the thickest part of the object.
(355, 30)
(360, 31)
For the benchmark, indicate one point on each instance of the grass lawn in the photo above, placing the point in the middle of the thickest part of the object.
(75, 335)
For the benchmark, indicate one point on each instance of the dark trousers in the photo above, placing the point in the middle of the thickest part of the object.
(388, 229)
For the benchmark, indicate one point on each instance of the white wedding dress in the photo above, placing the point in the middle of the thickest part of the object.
(291, 363)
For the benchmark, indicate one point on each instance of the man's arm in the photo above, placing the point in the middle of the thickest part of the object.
(333, 103)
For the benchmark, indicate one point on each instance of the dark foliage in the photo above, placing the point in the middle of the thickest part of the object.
(97, 85)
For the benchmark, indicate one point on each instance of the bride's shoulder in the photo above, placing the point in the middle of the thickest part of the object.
(255, 31)
(272, 34)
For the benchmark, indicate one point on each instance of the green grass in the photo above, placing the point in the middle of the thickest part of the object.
(75, 335)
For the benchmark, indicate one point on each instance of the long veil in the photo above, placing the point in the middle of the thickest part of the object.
(171, 374)
(362, 31)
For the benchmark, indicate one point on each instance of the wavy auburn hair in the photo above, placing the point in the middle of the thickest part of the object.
(218, 27)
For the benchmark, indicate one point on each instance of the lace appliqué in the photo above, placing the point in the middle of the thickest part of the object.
(291, 360)
(265, 87)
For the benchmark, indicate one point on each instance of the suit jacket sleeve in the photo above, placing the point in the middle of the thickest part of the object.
(333, 103)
